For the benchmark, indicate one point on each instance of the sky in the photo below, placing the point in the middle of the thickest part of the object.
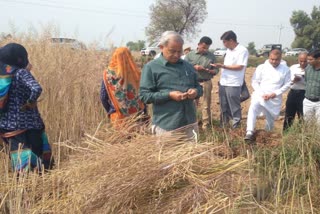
(116, 22)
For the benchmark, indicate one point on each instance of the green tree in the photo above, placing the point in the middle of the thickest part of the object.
(136, 46)
(182, 16)
(252, 48)
(306, 28)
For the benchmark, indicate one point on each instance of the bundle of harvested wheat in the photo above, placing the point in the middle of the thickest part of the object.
(144, 175)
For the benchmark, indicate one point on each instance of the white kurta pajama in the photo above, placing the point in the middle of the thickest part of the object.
(267, 80)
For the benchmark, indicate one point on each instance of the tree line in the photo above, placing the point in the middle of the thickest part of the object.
(185, 17)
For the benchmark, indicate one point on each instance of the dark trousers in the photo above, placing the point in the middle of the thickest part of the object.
(294, 105)
(230, 108)
(32, 139)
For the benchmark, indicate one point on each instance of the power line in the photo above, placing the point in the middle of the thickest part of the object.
(121, 12)
(72, 8)
(99, 6)
(244, 24)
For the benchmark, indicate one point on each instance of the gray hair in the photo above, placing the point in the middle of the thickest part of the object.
(170, 35)
(303, 53)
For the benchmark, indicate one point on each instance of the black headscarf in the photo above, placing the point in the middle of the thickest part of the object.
(15, 55)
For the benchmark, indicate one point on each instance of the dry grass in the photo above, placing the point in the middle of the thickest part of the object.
(69, 104)
(124, 172)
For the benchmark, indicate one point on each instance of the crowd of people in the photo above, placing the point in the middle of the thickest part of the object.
(270, 81)
(177, 83)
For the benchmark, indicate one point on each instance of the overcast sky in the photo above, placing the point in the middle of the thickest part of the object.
(119, 21)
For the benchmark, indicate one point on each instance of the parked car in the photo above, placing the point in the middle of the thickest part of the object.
(151, 50)
(67, 42)
(220, 52)
(295, 51)
(265, 50)
(285, 50)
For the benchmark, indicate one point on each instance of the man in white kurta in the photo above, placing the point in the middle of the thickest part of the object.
(269, 82)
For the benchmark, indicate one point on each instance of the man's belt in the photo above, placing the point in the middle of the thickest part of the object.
(313, 99)
(204, 80)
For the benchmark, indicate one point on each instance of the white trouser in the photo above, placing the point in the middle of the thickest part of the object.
(254, 110)
(311, 110)
(189, 132)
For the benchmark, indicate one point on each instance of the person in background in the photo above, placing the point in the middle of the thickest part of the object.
(201, 60)
(186, 50)
(269, 81)
(231, 80)
(21, 126)
(119, 92)
(294, 103)
(170, 84)
(311, 103)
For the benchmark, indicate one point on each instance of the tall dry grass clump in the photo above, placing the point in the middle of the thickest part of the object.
(69, 104)
(117, 171)
(71, 79)
(290, 172)
(121, 171)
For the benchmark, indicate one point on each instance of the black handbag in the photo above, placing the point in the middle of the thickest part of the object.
(244, 92)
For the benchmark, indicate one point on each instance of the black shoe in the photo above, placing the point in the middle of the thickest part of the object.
(248, 137)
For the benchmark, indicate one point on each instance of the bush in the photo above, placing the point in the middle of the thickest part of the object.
(255, 61)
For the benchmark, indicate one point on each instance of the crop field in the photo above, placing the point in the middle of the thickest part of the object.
(101, 169)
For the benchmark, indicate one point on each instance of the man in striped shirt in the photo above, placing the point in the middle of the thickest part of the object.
(311, 103)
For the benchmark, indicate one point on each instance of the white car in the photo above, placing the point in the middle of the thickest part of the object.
(152, 50)
(68, 42)
(220, 52)
(295, 51)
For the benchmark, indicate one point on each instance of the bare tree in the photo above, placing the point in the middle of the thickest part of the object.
(182, 16)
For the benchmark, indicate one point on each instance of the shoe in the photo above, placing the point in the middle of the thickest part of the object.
(236, 126)
(249, 136)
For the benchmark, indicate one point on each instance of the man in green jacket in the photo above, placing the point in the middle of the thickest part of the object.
(201, 59)
(171, 85)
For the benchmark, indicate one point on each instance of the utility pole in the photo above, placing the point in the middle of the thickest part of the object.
(280, 29)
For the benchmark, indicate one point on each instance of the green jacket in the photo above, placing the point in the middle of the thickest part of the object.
(195, 58)
(159, 77)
